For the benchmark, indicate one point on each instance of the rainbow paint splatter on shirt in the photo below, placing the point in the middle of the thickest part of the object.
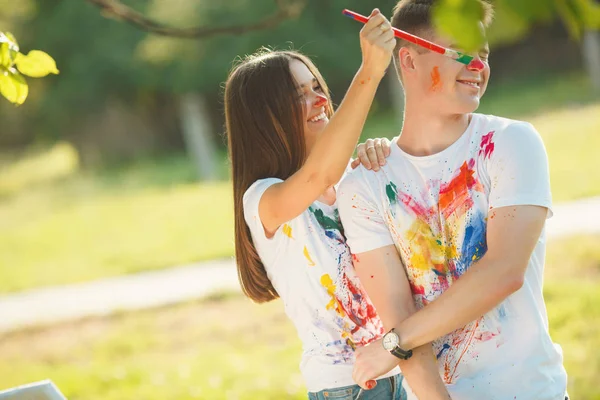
(439, 237)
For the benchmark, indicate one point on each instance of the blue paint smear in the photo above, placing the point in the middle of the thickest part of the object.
(330, 234)
(474, 244)
(502, 312)
(444, 348)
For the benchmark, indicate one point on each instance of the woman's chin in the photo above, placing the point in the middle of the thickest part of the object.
(317, 127)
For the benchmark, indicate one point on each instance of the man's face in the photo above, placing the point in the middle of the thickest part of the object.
(446, 85)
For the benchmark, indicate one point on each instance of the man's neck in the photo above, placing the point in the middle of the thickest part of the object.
(425, 133)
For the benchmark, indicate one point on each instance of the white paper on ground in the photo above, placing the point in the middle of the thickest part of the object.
(44, 390)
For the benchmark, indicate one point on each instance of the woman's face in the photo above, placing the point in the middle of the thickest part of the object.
(313, 101)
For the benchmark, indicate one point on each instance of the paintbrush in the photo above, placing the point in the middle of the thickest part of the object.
(455, 55)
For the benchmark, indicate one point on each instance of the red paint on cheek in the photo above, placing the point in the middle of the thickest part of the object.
(436, 80)
(355, 258)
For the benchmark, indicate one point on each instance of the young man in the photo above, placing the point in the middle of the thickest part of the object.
(455, 218)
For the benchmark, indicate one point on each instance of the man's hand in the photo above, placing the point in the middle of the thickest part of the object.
(372, 361)
(372, 153)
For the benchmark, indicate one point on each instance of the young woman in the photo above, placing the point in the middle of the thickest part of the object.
(288, 151)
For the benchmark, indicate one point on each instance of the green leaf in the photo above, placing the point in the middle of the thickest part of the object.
(508, 27)
(8, 49)
(532, 10)
(570, 17)
(36, 64)
(12, 38)
(589, 13)
(13, 85)
(460, 20)
(5, 59)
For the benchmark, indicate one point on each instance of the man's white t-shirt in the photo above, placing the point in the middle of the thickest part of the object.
(310, 266)
(435, 209)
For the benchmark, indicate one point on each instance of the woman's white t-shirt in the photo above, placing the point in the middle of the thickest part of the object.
(310, 266)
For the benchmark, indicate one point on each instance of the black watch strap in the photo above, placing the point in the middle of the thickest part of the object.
(401, 353)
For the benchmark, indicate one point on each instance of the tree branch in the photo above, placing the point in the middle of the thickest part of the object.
(116, 10)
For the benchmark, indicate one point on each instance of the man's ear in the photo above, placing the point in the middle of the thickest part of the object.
(406, 59)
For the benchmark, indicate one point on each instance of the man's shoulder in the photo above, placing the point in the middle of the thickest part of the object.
(356, 177)
(360, 182)
(502, 124)
(494, 128)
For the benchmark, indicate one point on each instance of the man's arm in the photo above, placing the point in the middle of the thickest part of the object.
(512, 234)
(382, 274)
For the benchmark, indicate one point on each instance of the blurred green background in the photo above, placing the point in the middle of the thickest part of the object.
(118, 165)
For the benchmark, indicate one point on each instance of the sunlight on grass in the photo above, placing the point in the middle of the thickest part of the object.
(43, 166)
(95, 236)
(206, 350)
(572, 139)
(228, 348)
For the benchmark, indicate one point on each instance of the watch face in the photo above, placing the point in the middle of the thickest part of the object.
(390, 340)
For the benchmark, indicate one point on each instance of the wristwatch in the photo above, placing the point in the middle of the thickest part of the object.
(391, 341)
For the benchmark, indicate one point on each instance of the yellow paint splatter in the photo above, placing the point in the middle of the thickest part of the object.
(311, 263)
(287, 231)
(349, 341)
(328, 284)
(428, 251)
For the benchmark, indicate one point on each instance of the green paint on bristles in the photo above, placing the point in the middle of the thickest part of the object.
(464, 58)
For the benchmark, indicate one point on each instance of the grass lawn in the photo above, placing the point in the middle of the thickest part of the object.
(229, 348)
(61, 225)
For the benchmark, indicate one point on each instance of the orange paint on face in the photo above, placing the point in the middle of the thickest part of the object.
(436, 80)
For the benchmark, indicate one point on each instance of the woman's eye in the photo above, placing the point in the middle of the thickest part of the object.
(318, 88)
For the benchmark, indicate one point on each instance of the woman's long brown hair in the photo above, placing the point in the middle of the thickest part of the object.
(265, 131)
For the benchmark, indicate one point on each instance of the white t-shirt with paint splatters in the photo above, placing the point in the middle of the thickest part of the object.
(435, 209)
(310, 266)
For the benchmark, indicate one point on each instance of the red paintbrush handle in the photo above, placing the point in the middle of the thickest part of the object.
(400, 34)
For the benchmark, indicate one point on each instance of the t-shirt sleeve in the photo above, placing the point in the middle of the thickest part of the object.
(518, 167)
(251, 200)
(364, 225)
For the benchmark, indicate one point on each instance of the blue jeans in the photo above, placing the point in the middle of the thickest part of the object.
(386, 389)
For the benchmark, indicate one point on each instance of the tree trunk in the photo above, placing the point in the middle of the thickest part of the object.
(197, 135)
(591, 55)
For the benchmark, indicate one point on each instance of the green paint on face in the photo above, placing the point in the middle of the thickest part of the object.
(464, 59)
(392, 193)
